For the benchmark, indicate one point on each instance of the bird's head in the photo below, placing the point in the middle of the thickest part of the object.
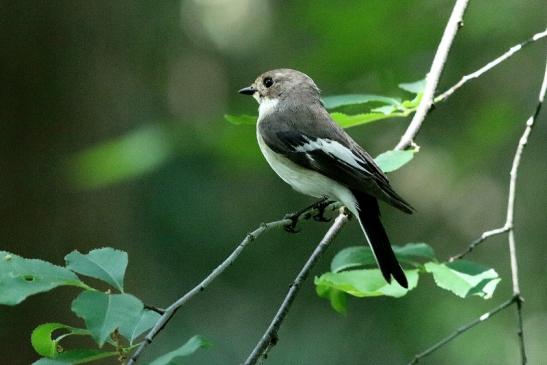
(282, 84)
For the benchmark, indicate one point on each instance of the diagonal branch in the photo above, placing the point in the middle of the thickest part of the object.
(454, 23)
(169, 312)
(461, 330)
(490, 65)
(269, 339)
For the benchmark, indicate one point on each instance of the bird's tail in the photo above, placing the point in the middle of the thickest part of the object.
(369, 219)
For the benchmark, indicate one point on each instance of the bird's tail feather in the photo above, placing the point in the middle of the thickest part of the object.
(369, 219)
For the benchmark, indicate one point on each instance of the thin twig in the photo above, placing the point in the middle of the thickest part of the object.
(462, 330)
(511, 211)
(454, 23)
(481, 239)
(508, 227)
(171, 310)
(269, 338)
(490, 65)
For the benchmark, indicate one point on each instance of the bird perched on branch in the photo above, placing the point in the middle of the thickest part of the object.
(314, 155)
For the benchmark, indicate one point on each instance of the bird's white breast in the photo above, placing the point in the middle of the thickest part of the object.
(304, 180)
(267, 106)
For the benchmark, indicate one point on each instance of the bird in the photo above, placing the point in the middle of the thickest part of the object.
(316, 157)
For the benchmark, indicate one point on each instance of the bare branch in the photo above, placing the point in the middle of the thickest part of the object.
(167, 314)
(462, 330)
(481, 239)
(454, 23)
(490, 65)
(269, 339)
(511, 208)
(508, 227)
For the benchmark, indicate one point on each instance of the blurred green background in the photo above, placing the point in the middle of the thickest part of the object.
(113, 135)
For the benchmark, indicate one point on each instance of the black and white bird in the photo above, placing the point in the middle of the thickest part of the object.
(314, 155)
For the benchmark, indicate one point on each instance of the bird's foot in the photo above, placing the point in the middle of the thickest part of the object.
(291, 227)
(321, 206)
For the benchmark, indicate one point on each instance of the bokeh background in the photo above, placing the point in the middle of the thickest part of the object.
(113, 135)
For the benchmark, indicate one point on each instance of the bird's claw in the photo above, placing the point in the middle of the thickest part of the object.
(320, 216)
(291, 227)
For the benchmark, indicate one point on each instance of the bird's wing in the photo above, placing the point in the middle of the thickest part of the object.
(330, 151)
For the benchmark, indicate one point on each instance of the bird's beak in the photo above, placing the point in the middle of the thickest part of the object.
(249, 90)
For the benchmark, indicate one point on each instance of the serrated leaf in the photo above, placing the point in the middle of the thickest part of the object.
(393, 160)
(464, 278)
(78, 356)
(416, 87)
(146, 320)
(241, 119)
(361, 256)
(106, 264)
(21, 277)
(103, 313)
(365, 283)
(191, 346)
(336, 101)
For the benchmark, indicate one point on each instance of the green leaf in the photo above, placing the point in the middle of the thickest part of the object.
(241, 119)
(191, 346)
(386, 109)
(412, 252)
(337, 298)
(105, 264)
(133, 330)
(130, 155)
(365, 283)
(416, 87)
(351, 258)
(347, 121)
(41, 339)
(361, 256)
(21, 278)
(464, 278)
(79, 356)
(103, 313)
(332, 102)
(393, 160)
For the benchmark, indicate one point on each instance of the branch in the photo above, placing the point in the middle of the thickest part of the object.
(462, 330)
(490, 65)
(484, 236)
(269, 339)
(507, 227)
(454, 23)
(511, 207)
(167, 314)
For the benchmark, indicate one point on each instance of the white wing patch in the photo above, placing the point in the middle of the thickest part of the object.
(333, 148)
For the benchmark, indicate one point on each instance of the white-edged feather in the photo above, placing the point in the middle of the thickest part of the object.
(307, 181)
(335, 149)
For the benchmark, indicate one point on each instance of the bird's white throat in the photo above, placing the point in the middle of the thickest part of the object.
(266, 107)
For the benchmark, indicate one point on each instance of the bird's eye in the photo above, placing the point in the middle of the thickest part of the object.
(268, 81)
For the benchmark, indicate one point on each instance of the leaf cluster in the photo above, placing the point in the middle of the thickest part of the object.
(114, 319)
